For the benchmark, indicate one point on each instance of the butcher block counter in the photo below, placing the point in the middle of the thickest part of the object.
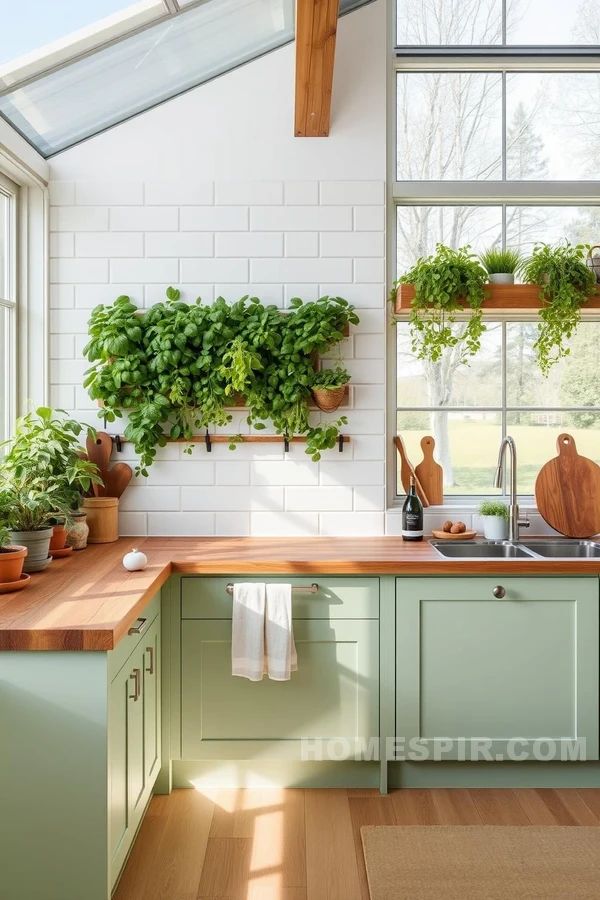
(88, 601)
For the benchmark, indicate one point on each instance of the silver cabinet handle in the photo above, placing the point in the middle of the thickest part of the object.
(136, 675)
(150, 669)
(499, 592)
(139, 627)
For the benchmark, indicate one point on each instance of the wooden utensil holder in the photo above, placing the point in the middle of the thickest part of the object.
(102, 518)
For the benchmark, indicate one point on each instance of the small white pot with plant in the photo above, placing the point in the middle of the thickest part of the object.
(502, 266)
(495, 520)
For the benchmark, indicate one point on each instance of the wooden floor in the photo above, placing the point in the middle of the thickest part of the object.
(280, 844)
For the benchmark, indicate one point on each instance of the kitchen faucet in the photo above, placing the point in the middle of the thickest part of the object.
(514, 522)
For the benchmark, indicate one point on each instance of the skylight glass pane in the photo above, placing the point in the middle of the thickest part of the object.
(134, 74)
(41, 35)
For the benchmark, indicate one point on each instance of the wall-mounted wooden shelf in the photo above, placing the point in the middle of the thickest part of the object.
(209, 439)
(500, 297)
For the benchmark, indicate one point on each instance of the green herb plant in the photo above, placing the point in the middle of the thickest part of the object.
(4, 537)
(493, 508)
(45, 451)
(182, 364)
(566, 283)
(498, 262)
(440, 282)
(28, 504)
(331, 379)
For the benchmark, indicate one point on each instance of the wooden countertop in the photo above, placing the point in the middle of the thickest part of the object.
(88, 600)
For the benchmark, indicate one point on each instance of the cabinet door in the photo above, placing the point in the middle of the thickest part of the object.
(151, 700)
(126, 758)
(519, 665)
(334, 693)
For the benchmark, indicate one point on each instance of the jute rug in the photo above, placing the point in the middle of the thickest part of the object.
(482, 862)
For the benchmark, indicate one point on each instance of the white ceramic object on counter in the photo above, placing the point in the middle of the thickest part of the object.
(495, 528)
(135, 560)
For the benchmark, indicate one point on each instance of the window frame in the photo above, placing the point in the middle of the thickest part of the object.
(491, 58)
(10, 190)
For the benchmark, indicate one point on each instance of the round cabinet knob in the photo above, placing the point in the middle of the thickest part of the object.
(499, 592)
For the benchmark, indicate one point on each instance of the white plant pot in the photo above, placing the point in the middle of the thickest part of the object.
(495, 528)
(502, 278)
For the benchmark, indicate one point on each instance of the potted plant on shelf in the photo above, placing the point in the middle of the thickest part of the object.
(502, 266)
(495, 520)
(328, 388)
(12, 557)
(565, 283)
(447, 283)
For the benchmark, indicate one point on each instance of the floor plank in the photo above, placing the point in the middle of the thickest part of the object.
(414, 806)
(331, 867)
(134, 881)
(455, 806)
(591, 798)
(498, 807)
(368, 810)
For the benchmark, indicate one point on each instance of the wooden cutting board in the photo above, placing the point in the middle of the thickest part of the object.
(99, 452)
(567, 491)
(467, 535)
(430, 473)
(407, 469)
(116, 480)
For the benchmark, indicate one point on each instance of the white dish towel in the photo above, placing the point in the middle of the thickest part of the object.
(281, 658)
(262, 637)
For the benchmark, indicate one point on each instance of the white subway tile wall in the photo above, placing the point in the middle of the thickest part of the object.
(271, 239)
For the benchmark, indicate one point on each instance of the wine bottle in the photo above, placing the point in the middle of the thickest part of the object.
(412, 515)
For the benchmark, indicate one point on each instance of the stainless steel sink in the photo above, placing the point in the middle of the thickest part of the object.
(564, 549)
(560, 549)
(480, 550)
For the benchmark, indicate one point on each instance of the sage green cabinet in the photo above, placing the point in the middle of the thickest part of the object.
(334, 693)
(134, 742)
(474, 661)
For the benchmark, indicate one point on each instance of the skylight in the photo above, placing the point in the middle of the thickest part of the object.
(69, 69)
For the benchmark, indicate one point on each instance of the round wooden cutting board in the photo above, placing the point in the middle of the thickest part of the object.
(467, 535)
(567, 491)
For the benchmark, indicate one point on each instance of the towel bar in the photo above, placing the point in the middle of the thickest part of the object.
(309, 589)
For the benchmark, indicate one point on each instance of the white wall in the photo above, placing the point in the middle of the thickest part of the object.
(212, 192)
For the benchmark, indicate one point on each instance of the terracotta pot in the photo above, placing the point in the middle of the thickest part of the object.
(59, 538)
(11, 563)
(328, 400)
(38, 545)
(103, 519)
(77, 533)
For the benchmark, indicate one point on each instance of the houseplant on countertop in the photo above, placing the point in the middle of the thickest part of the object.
(328, 388)
(45, 457)
(27, 506)
(495, 520)
(441, 282)
(502, 265)
(566, 283)
(12, 557)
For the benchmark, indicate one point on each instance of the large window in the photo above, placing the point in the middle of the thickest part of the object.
(8, 305)
(497, 145)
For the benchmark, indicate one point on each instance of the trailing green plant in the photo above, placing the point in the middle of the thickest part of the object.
(497, 262)
(46, 450)
(493, 508)
(181, 364)
(440, 282)
(323, 437)
(331, 379)
(565, 283)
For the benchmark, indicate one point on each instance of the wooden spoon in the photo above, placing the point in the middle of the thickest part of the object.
(117, 479)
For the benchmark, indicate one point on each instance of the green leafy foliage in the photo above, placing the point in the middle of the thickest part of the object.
(46, 452)
(183, 363)
(4, 536)
(496, 261)
(29, 504)
(330, 379)
(493, 508)
(323, 437)
(440, 281)
(565, 285)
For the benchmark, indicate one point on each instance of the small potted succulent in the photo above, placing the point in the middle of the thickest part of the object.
(502, 266)
(495, 520)
(329, 387)
(12, 557)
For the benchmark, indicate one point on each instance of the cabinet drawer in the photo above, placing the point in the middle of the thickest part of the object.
(127, 645)
(336, 598)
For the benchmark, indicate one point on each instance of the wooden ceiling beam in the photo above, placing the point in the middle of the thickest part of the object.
(316, 27)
